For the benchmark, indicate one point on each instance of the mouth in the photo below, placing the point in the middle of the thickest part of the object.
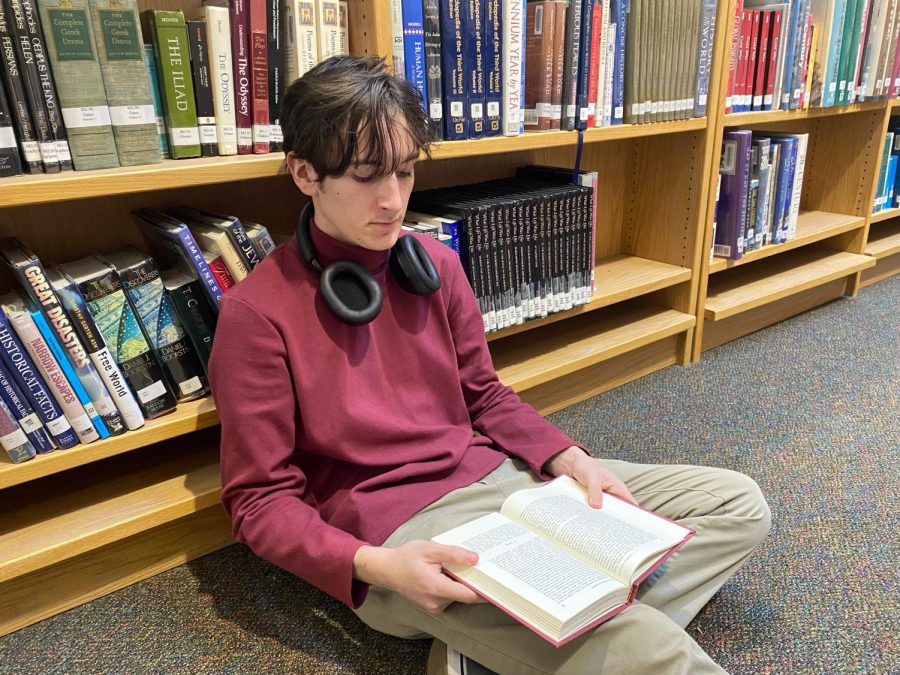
(385, 223)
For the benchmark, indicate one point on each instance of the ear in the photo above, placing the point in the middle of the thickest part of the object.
(303, 175)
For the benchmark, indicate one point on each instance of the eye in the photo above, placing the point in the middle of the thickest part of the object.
(363, 178)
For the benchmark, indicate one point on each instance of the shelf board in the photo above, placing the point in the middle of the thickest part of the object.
(187, 417)
(884, 241)
(173, 174)
(886, 214)
(782, 276)
(583, 342)
(812, 226)
(616, 278)
(766, 116)
(75, 518)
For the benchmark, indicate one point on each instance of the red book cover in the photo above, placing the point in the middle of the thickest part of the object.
(259, 75)
(753, 59)
(860, 48)
(744, 89)
(594, 68)
(240, 56)
(220, 272)
(761, 24)
(774, 45)
(807, 55)
(734, 55)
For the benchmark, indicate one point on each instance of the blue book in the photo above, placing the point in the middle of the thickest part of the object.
(493, 70)
(414, 46)
(69, 372)
(21, 409)
(12, 438)
(784, 187)
(829, 87)
(732, 206)
(705, 46)
(473, 43)
(619, 11)
(32, 385)
(453, 65)
(783, 97)
(891, 179)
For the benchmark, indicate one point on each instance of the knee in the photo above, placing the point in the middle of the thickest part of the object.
(749, 504)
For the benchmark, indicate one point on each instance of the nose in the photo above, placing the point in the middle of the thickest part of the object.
(390, 194)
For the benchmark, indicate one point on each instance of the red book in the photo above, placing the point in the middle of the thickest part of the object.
(761, 24)
(219, 271)
(769, 101)
(743, 90)
(734, 55)
(240, 56)
(806, 56)
(863, 31)
(259, 76)
(594, 68)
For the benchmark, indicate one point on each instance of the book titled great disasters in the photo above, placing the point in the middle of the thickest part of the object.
(558, 565)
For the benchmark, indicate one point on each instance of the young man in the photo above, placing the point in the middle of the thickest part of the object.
(350, 399)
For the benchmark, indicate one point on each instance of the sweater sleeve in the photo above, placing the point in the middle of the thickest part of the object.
(263, 487)
(495, 409)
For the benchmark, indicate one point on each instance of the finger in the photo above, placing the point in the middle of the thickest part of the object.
(614, 486)
(453, 591)
(455, 555)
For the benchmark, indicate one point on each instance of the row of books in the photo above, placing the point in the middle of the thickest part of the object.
(503, 67)
(81, 89)
(92, 348)
(801, 53)
(761, 181)
(526, 243)
(887, 192)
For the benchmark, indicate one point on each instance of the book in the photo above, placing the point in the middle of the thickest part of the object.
(203, 93)
(219, 270)
(146, 294)
(260, 237)
(120, 47)
(240, 54)
(12, 437)
(28, 419)
(10, 162)
(167, 31)
(102, 290)
(153, 81)
(218, 31)
(734, 168)
(217, 243)
(512, 22)
(328, 29)
(259, 75)
(558, 565)
(431, 36)
(199, 321)
(540, 27)
(275, 32)
(231, 225)
(301, 45)
(453, 79)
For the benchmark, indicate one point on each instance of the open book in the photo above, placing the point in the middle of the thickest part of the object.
(558, 565)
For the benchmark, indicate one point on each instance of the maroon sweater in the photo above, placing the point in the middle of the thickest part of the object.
(334, 435)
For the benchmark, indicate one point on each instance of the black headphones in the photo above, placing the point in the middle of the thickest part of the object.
(350, 291)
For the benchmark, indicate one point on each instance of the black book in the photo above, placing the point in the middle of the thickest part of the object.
(453, 73)
(275, 32)
(584, 64)
(31, 80)
(10, 164)
(203, 96)
(18, 102)
(431, 22)
(189, 302)
(571, 60)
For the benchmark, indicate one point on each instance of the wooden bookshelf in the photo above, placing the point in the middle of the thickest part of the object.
(884, 241)
(767, 116)
(886, 214)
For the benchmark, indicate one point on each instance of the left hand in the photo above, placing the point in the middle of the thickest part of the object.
(588, 472)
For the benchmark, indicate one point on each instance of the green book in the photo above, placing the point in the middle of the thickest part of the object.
(167, 32)
(79, 83)
(153, 81)
(120, 48)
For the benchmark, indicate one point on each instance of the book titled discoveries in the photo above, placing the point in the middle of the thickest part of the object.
(558, 565)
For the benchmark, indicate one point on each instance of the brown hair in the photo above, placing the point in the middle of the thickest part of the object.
(350, 102)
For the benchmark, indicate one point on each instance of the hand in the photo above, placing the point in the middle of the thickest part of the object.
(588, 472)
(414, 570)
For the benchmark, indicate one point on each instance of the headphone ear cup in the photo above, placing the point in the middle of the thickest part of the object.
(412, 267)
(351, 292)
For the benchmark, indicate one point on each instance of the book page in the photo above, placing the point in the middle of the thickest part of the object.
(544, 575)
(619, 538)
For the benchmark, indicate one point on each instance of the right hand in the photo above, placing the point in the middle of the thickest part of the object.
(415, 571)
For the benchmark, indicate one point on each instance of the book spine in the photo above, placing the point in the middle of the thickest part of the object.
(585, 41)
(18, 101)
(571, 55)
(431, 27)
(327, 25)
(734, 169)
(539, 27)
(144, 291)
(344, 26)
(705, 44)
(398, 58)
(170, 42)
(413, 47)
(493, 74)
(259, 75)
(559, 37)
(275, 61)
(120, 49)
(240, 52)
(59, 386)
(32, 385)
(10, 164)
(220, 271)
(453, 58)
(801, 58)
(99, 354)
(27, 418)
(206, 114)
(218, 30)
(300, 18)
(119, 326)
(595, 104)
(196, 318)
(734, 58)
(48, 88)
(153, 80)
(33, 279)
(474, 44)
(513, 61)
(12, 438)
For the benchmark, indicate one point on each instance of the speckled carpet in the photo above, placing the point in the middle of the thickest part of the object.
(810, 408)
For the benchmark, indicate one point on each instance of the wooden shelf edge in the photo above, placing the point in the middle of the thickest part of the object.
(617, 278)
(883, 247)
(771, 287)
(809, 231)
(886, 214)
(190, 416)
(767, 116)
(140, 510)
(615, 342)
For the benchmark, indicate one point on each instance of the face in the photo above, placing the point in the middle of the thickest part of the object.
(361, 208)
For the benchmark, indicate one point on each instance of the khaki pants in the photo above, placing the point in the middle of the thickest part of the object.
(728, 512)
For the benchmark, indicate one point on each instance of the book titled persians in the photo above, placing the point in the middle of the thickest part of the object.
(558, 565)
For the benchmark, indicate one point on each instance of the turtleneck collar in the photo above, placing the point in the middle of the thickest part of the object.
(329, 250)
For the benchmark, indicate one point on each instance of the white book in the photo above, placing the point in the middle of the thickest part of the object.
(328, 27)
(343, 26)
(218, 35)
(513, 55)
(868, 75)
(217, 242)
(602, 62)
(822, 12)
(558, 565)
(398, 58)
(301, 45)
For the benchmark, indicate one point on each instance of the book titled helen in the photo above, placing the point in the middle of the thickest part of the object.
(558, 565)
